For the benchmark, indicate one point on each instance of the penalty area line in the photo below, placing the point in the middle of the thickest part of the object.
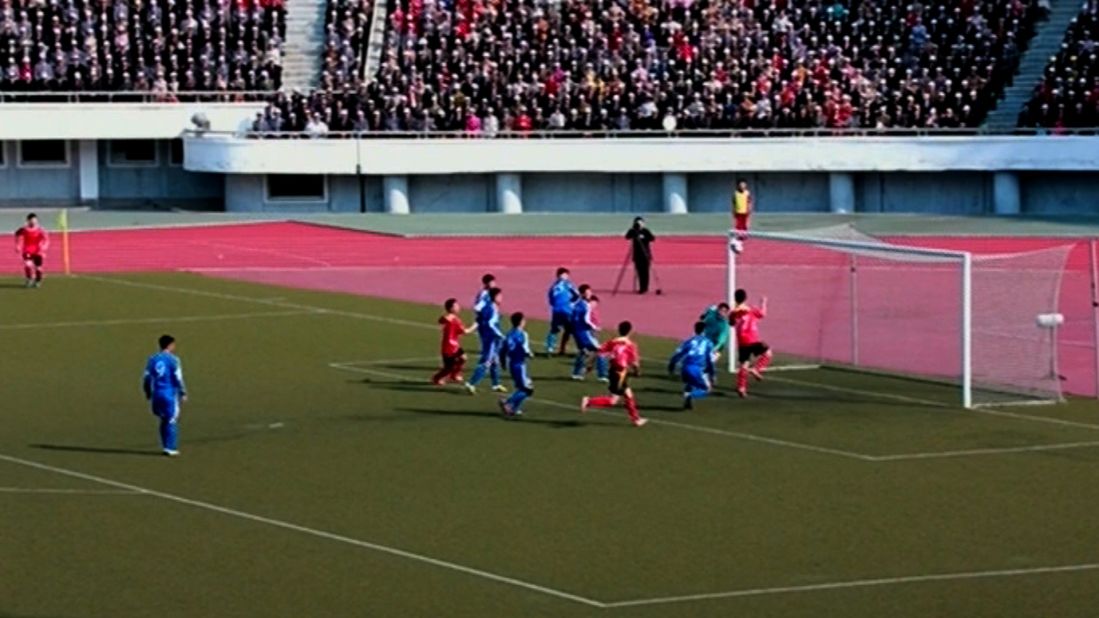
(70, 492)
(331, 536)
(163, 320)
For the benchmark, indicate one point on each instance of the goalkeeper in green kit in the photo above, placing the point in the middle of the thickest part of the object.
(716, 319)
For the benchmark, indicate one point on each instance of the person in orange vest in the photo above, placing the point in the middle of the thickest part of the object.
(743, 205)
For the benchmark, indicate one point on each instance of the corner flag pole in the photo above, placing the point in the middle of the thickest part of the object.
(63, 225)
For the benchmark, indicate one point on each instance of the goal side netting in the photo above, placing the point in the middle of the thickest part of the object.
(972, 321)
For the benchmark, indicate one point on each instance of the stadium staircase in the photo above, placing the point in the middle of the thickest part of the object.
(376, 43)
(1032, 65)
(304, 44)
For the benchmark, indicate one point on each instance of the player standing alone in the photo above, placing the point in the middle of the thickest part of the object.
(746, 321)
(454, 357)
(624, 358)
(743, 205)
(164, 389)
(31, 242)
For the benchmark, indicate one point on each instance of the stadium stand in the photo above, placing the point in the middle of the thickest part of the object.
(1068, 95)
(159, 46)
(346, 24)
(603, 65)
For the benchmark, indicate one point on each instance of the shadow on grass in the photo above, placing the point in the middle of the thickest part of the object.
(526, 419)
(70, 448)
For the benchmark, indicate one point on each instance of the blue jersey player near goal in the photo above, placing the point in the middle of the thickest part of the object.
(164, 389)
(696, 358)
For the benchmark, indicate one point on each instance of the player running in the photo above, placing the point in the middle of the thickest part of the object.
(488, 328)
(697, 357)
(31, 242)
(516, 353)
(716, 322)
(624, 359)
(164, 389)
(454, 357)
(488, 281)
(562, 294)
(584, 329)
(746, 320)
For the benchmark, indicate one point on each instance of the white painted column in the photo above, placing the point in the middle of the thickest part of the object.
(509, 194)
(395, 195)
(675, 193)
(1006, 197)
(87, 164)
(841, 193)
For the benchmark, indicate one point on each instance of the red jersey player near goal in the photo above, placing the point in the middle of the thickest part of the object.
(625, 358)
(31, 242)
(745, 318)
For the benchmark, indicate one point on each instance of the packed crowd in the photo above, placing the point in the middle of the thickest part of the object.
(486, 66)
(346, 25)
(1068, 96)
(162, 46)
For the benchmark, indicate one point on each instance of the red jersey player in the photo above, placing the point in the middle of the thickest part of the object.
(454, 357)
(625, 358)
(31, 242)
(745, 319)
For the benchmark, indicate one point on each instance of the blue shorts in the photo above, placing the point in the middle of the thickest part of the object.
(167, 408)
(560, 321)
(586, 341)
(521, 377)
(490, 349)
(695, 379)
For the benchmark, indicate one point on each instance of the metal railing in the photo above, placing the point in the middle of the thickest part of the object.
(648, 134)
(135, 96)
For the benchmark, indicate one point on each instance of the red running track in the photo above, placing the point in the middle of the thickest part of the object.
(691, 270)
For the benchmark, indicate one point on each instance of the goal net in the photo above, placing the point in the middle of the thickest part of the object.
(843, 299)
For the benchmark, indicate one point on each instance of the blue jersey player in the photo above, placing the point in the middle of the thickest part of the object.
(696, 355)
(492, 338)
(516, 353)
(163, 385)
(488, 281)
(584, 329)
(562, 294)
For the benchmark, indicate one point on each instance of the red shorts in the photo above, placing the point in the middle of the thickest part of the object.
(740, 222)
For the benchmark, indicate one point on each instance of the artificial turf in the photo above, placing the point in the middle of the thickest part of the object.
(322, 476)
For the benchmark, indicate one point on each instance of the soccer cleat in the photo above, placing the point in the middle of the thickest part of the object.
(584, 402)
(29, 283)
(500, 388)
(755, 373)
(171, 452)
(471, 388)
(439, 382)
(688, 402)
(641, 422)
(506, 408)
(743, 392)
(579, 377)
(605, 380)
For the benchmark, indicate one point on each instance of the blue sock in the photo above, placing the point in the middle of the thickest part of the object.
(168, 434)
(478, 375)
(698, 393)
(600, 367)
(578, 365)
(516, 400)
(494, 374)
(551, 343)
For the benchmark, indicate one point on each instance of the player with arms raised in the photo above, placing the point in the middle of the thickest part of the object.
(31, 242)
(746, 319)
(625, 358)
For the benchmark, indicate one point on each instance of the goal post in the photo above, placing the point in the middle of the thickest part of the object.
(971, 321)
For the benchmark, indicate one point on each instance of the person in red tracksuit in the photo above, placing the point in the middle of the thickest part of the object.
(31, 242)
(454, 357)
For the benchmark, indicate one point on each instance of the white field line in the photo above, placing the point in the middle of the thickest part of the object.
(655, 421)
(502, 579)
(163, 320)
(58, 491)
(424, 325)
(858, 583)
(987, 451)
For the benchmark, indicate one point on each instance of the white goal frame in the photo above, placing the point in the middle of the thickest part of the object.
(963, 258)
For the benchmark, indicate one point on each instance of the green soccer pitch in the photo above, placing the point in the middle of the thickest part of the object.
(322, 476)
